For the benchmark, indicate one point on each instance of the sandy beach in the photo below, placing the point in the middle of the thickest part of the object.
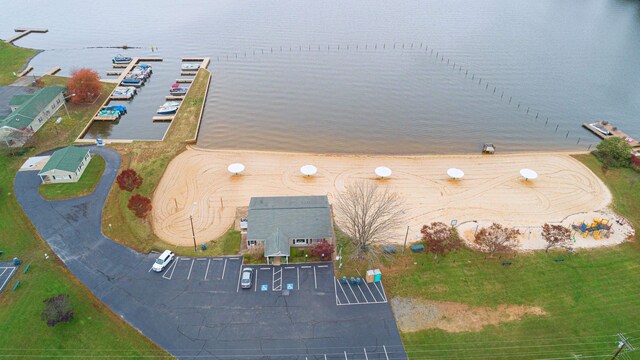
(492, 189)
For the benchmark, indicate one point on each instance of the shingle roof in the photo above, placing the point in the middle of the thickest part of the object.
(300, 217)
(277, 245)
(30, 107)
(20, 99)
(66, 159)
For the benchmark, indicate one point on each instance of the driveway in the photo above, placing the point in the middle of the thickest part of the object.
(195, 307)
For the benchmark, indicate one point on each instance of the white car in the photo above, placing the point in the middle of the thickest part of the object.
(163, 260)
(247, 276)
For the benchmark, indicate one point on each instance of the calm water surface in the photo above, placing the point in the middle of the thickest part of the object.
(325, 76)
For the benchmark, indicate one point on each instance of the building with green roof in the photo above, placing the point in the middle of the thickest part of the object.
(65, 165)
(29, 113)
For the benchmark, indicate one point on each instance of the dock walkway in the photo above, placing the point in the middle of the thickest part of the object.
(22, 32)
(613, 131)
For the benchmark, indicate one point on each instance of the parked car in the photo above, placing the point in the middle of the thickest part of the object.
(244, 223)
(247, 278)
(163, 260)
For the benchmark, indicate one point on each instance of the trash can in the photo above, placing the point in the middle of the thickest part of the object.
(377, 275)
(370, 276)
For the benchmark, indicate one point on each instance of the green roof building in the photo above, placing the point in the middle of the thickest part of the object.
(65, 165)
(30, 112)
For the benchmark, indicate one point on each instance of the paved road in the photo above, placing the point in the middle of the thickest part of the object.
(195, 308)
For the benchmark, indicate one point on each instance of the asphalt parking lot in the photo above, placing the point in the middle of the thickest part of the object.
(7, 270)
(195, 307)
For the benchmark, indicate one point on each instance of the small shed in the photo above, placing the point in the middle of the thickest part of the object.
(65, 165)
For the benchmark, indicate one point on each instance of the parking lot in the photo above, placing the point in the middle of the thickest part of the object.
(359, 294)
(7, 270)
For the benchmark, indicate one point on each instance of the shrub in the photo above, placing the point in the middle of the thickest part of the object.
(614, 151)
(57, 309)
(140, 205)
(85, 84)
(129, 180)
(322, 249)
(555, 236)
(439, 239)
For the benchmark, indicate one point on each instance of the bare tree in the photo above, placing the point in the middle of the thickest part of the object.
(439, 239)
(555, 236)
(496, 239)
(369, 215)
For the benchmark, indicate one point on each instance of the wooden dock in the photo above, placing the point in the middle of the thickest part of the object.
(184, 81)
(114, 73)
(163, 118)
(188, 73)
(53, 71)
(171, 97)
(150, 59)
(105, 118)
(22, 32)
(115, 97)
(613, 132)
(25, 71)
(204, 61)
(127, 69)
(122, 66)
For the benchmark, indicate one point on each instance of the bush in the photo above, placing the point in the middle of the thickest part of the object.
(439, 239)
(614, 151)
(322, 249)
(129, 180)
(140, 205)
(57, 309)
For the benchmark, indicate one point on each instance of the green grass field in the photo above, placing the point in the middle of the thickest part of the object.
(95, 332)
(84, 186)
(12, 59)
(589, 297)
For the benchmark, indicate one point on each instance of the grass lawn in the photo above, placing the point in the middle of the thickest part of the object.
(12, 59)
(150, 159)
(87, 183)
(590, 297)
(95, 331)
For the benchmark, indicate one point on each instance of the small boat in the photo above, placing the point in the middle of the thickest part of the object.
(125, 92)
(132, 81)
(169, 107)
(178, 91)
(599, 127)
(109, 113)
(190, 67)
(488, 148)
(142, 70)
(119, 108)
(119, 59)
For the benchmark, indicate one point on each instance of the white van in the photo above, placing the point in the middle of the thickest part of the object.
(163, 260)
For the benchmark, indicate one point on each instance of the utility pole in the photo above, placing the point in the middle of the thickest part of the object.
(193, 232)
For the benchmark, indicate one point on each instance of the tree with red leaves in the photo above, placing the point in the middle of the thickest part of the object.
(556, 235)
(129, 180)
(439, 239)
(140, 205)
(497, 239)
(323, 249)
(85, 85)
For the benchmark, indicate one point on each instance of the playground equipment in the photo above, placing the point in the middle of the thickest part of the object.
(599, 228)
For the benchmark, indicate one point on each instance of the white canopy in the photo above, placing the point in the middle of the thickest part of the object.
(308, 170)
(236, 168)
(528, 174)
(383, 171)
(455, 173)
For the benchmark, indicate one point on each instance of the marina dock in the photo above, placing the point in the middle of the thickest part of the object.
(188, 73)
(114, 73)
(184, 81)
(163, 118)
(171, 97)
(127, 69)
(22, 32)
(105, 118)
(119, 66)
(600, 128)
(25, 71)
(53, 71)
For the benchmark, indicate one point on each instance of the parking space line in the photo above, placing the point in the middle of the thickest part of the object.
(315, 279)
(191, 268)
(363, 295)
(335, 288)
(172, 267)
(345, 294)
(255, 285)
(306, 267)
(289, 267)
(298, 275)
(385, 352)
(207, 272)
(185, 258)
(8, 276)
(365, 354)
(225, 268)
(354, 294)
(239, 276)
(383, 293)
(325, 356)
(372, 296)
(217, 259)
(323, 266)
(151, 268)
(265, 268)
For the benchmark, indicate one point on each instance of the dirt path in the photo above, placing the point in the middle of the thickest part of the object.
(492, 189)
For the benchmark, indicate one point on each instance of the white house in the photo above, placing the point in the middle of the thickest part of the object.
(65, 165)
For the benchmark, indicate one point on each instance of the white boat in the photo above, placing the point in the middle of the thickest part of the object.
(190, 67)
(125, 92)
(169, 107)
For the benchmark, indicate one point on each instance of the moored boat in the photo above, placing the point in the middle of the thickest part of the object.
(178, 91)
(190, 67)
(125, 92)
(119, 108)
(169, 107)
(109, 113)
(120, 59)
(132, 81)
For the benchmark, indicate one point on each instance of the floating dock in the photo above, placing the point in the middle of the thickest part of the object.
(163, 118)
(105, 118)
(114, 73)
(22, 32)
(53, 71)
(149, 59)
(613, 131)
(184, 81)
(115, 97)
(188, 73)
(171, 97)
(25, 71)
(122, 66)
(127, 68)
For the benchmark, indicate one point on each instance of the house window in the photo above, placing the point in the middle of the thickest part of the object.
(252, 242)
(301, 241)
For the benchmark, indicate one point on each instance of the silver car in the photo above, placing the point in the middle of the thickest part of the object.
(246, 278)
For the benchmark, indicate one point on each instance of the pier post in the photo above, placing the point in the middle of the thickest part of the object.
(578, 141)
(510, 97)
(589, 148)
(501, 95)
(538, 113)
(566, 136)
(528, 110)
(556, 129)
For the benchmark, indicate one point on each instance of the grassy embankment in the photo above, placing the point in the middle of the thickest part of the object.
(590, 296)
(12, 59)
(95, 331)
(84, 186)
(149, 159)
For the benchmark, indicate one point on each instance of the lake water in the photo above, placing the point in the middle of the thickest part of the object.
(359, 76)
